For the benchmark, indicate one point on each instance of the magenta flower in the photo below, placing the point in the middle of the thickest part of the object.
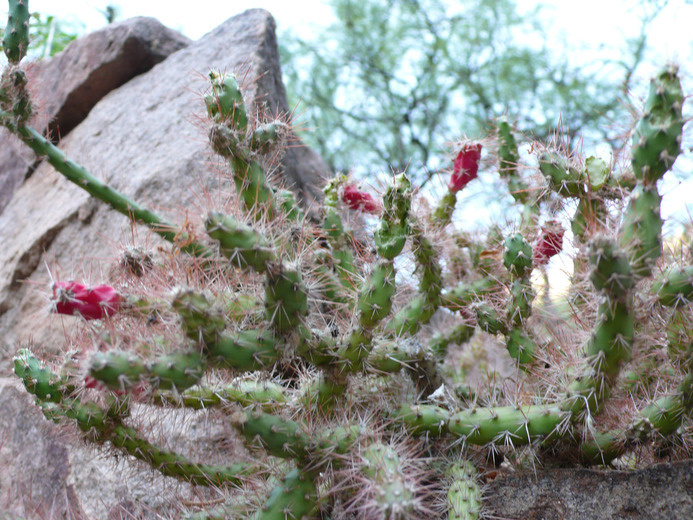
(92, 303)
(549, 243)
(465, 166)
(359, 200)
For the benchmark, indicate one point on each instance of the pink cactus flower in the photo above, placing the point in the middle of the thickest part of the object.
(549, 243)
(465, 167)
(359, 200)
(92, 303)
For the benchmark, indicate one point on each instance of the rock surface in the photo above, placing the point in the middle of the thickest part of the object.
(68, 86)
(660, 491)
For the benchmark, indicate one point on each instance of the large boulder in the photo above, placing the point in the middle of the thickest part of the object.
(68, 86)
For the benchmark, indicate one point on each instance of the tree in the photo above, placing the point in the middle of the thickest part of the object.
(387, 83)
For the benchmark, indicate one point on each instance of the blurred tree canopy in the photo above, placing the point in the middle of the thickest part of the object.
(389, 83)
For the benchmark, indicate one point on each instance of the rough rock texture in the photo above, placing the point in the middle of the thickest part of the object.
(68, 86)
(661, 491)
(145, 139)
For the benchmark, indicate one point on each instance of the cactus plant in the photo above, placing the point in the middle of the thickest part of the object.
(343, 378)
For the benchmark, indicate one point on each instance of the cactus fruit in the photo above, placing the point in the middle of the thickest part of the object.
(549, 243)
(359, 393)
(465, 166)
(359, 200)
(91, 303)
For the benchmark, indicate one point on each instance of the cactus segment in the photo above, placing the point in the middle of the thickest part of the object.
(118, 370)
(295, 497)
(390, 493)
(410, 319)
(179, 370)
(657, 138)
(666, 414)
(269, 396)
(375, 299)
(200, 319)
(16, 39)
(517, 255)
(520, 301)
(641, 230)
(391, 234)
(506, 424)
(507, 149)
(675, 287)
(269, 137)
(464, 494)
(39, 380)
(467, 293)
(279, 436)
(443, 213)
(225, 103)
(521, 347)
(251, 183)
(424, 418)
(245, 351)
(286, 299)
(596, 173)
(612, 339)
(563, 178)
(489, 319)
(611, 271)
(245, 247)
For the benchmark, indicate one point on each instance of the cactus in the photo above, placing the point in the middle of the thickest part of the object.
(336, 369)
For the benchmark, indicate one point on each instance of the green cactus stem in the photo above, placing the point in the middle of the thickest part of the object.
(295, 497)
(119, 202)
(117, 369)
(38, 379)
(286, 299)
(503, 425)
(411, 318)
(245, 351)
(391, 494)
(16, 39)
(674, 288)
(240, 243)
(104, 427)
(201, 320)
(509, 160)
(225, 102)
(464, 493)
(563, 178)
(271, 397)
(641, 230)
(657, 138)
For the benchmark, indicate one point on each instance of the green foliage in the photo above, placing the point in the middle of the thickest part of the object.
(385, 85)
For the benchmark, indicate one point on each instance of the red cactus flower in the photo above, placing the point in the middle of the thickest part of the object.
(465, 166)
(92, 303)
(359, 200)
(549, 243)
